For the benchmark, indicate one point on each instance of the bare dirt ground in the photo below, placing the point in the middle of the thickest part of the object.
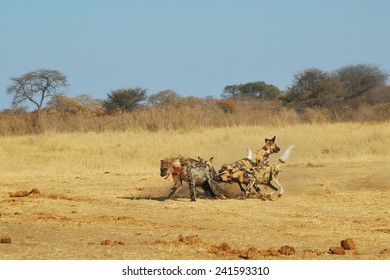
(121, 216)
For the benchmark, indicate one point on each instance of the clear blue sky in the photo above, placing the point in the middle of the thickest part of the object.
(193, 47)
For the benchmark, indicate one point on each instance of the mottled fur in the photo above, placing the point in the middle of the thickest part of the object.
(262, 155)
(194, 172)
(237, 172)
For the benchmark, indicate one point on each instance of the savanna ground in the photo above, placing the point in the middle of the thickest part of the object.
(96, 187)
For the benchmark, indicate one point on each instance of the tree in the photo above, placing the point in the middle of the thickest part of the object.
(65, 104)
(313, 88)
(125, 99)
(89, 102)
(164, 97)
(359, 79)
(259, 90)
(36, 86)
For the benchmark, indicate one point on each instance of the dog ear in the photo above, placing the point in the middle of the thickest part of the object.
(273, 139)
(266, 140)
(211, 159)
(200, 159)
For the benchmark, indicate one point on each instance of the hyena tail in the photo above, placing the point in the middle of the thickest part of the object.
(286, 154)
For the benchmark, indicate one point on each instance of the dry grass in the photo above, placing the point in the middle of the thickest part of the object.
(336, 184)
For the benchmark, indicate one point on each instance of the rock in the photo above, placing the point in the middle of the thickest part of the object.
(286, 250)
(35, 191)
(337, 250)
(252, 253)
(189, 240)
(5, 240)
(348, 244)
(112, 242)
(19, 194)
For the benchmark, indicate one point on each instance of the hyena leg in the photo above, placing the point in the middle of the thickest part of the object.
(176, 185)
(173, 191)
(192, 191)
(191, 184)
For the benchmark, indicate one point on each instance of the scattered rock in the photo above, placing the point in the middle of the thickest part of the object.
(224, 247)
(252, 253)
(35, 191)
(189, 240)
(271, 252)
(226, 251)
(112, 242)
(5, 240)
(337, 250)
(348, 244)
(19, 194)
(286, 250)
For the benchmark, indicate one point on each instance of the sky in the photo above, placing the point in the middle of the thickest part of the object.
(195, 47)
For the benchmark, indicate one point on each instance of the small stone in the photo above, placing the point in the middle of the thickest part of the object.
(337, 250)
(286, 250)
(348, 244)
(5, 240)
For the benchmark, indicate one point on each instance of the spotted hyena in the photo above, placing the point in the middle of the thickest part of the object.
(195, 172)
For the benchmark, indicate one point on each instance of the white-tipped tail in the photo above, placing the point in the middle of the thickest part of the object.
(250, 155)
(286, 154)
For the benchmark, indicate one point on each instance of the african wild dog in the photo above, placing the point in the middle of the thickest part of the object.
(237, 172)
(270, 147)
(194, 172)
(267, 175)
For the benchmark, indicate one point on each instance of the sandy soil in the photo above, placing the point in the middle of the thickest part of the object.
(122, 216)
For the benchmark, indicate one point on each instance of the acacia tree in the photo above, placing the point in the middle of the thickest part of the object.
(259, 90)
(36, 86)
(164, 97)
(125, 99)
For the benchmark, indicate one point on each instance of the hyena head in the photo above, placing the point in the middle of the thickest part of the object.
(270, 146)
(170, 166)
(164, 168)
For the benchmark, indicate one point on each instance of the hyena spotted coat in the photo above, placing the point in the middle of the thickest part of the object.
(195, 172)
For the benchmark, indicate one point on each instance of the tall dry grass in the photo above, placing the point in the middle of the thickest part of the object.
(138, 152)
(192, 114)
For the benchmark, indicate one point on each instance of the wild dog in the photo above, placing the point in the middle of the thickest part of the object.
(235, 172)
(194, 172)
(262, 155)
(267, 175)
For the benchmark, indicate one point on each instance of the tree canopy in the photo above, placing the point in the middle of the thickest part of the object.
(36, 86)
(125, 99)
(259, 90)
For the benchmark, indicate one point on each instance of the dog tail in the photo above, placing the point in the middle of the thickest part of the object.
(286, 154)
(250, 154)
